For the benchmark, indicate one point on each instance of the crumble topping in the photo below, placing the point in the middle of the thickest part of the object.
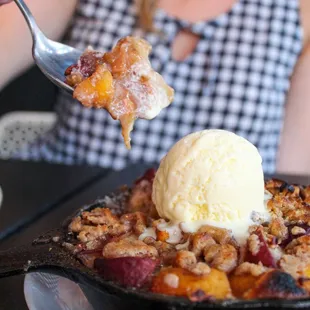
(250, 268)
(137, 237)
(253, 244)
(128, 248)
(185, 259)
(223, 257)
(220, 235)
(200, 269)
(278, 229)
(200, 242)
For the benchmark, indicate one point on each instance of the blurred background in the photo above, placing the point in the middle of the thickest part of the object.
(26, 110)
(30, 92)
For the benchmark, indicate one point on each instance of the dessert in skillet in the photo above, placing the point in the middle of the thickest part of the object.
(205, 226)
(122, 82)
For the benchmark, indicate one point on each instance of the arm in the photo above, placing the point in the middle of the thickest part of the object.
(52, 17)
(294, 150)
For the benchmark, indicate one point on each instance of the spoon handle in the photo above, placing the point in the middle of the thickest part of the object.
(36, 33)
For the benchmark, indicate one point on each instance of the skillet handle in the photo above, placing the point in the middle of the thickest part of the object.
(34, 257)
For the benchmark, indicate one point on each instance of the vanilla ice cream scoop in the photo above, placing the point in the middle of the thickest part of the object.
(211, 177)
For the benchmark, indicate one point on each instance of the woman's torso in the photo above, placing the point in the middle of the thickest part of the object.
(235, 79)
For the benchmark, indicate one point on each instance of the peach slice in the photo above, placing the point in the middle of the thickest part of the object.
(275, 284)
(96, 90)
(240, 284)
(180, 282)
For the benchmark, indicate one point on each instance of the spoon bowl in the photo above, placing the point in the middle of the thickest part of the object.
(53, 58)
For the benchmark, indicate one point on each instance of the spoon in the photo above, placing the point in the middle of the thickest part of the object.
(53, 58)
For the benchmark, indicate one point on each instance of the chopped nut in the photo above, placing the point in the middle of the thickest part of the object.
(165, 250)
(136, 220)
(99, 216)
(149, 240)
(97, 224)
(199, 242)
(127, 247)
(293, 209)
(161, 246)
(182, 246)
(293, 265)
(249, 268)
(303, 240)
(278, 228)
(297, 260)
(297, 230)
(274, 186)
(220, 235)
(90, 233)
(76, 224)
(185, 259)
(200, 269)
(253, 228)
(141, 197)
(222, 257)
(211, 252)
(253, 244)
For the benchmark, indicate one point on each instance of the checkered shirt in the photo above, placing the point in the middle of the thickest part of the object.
(236, 79)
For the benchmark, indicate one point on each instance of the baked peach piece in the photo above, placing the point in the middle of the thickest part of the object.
(271, 284)
(97, 90)
(240, 284)
(305, 283)
(180, 282)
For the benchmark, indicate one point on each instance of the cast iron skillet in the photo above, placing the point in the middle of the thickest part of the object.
(47, 254)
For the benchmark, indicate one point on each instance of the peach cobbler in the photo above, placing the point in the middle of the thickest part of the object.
(133, 246)
(121, 81)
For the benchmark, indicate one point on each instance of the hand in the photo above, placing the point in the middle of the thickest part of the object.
(4, 2)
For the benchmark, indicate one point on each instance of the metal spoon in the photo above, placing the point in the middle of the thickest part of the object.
(51, 57)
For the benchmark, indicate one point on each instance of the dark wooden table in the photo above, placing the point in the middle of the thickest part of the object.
(11, 289)
(32, 189)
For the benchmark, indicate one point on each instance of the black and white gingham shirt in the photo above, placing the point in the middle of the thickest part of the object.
(236, 79)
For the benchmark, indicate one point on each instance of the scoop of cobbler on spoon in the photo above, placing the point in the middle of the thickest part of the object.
(121, 81)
